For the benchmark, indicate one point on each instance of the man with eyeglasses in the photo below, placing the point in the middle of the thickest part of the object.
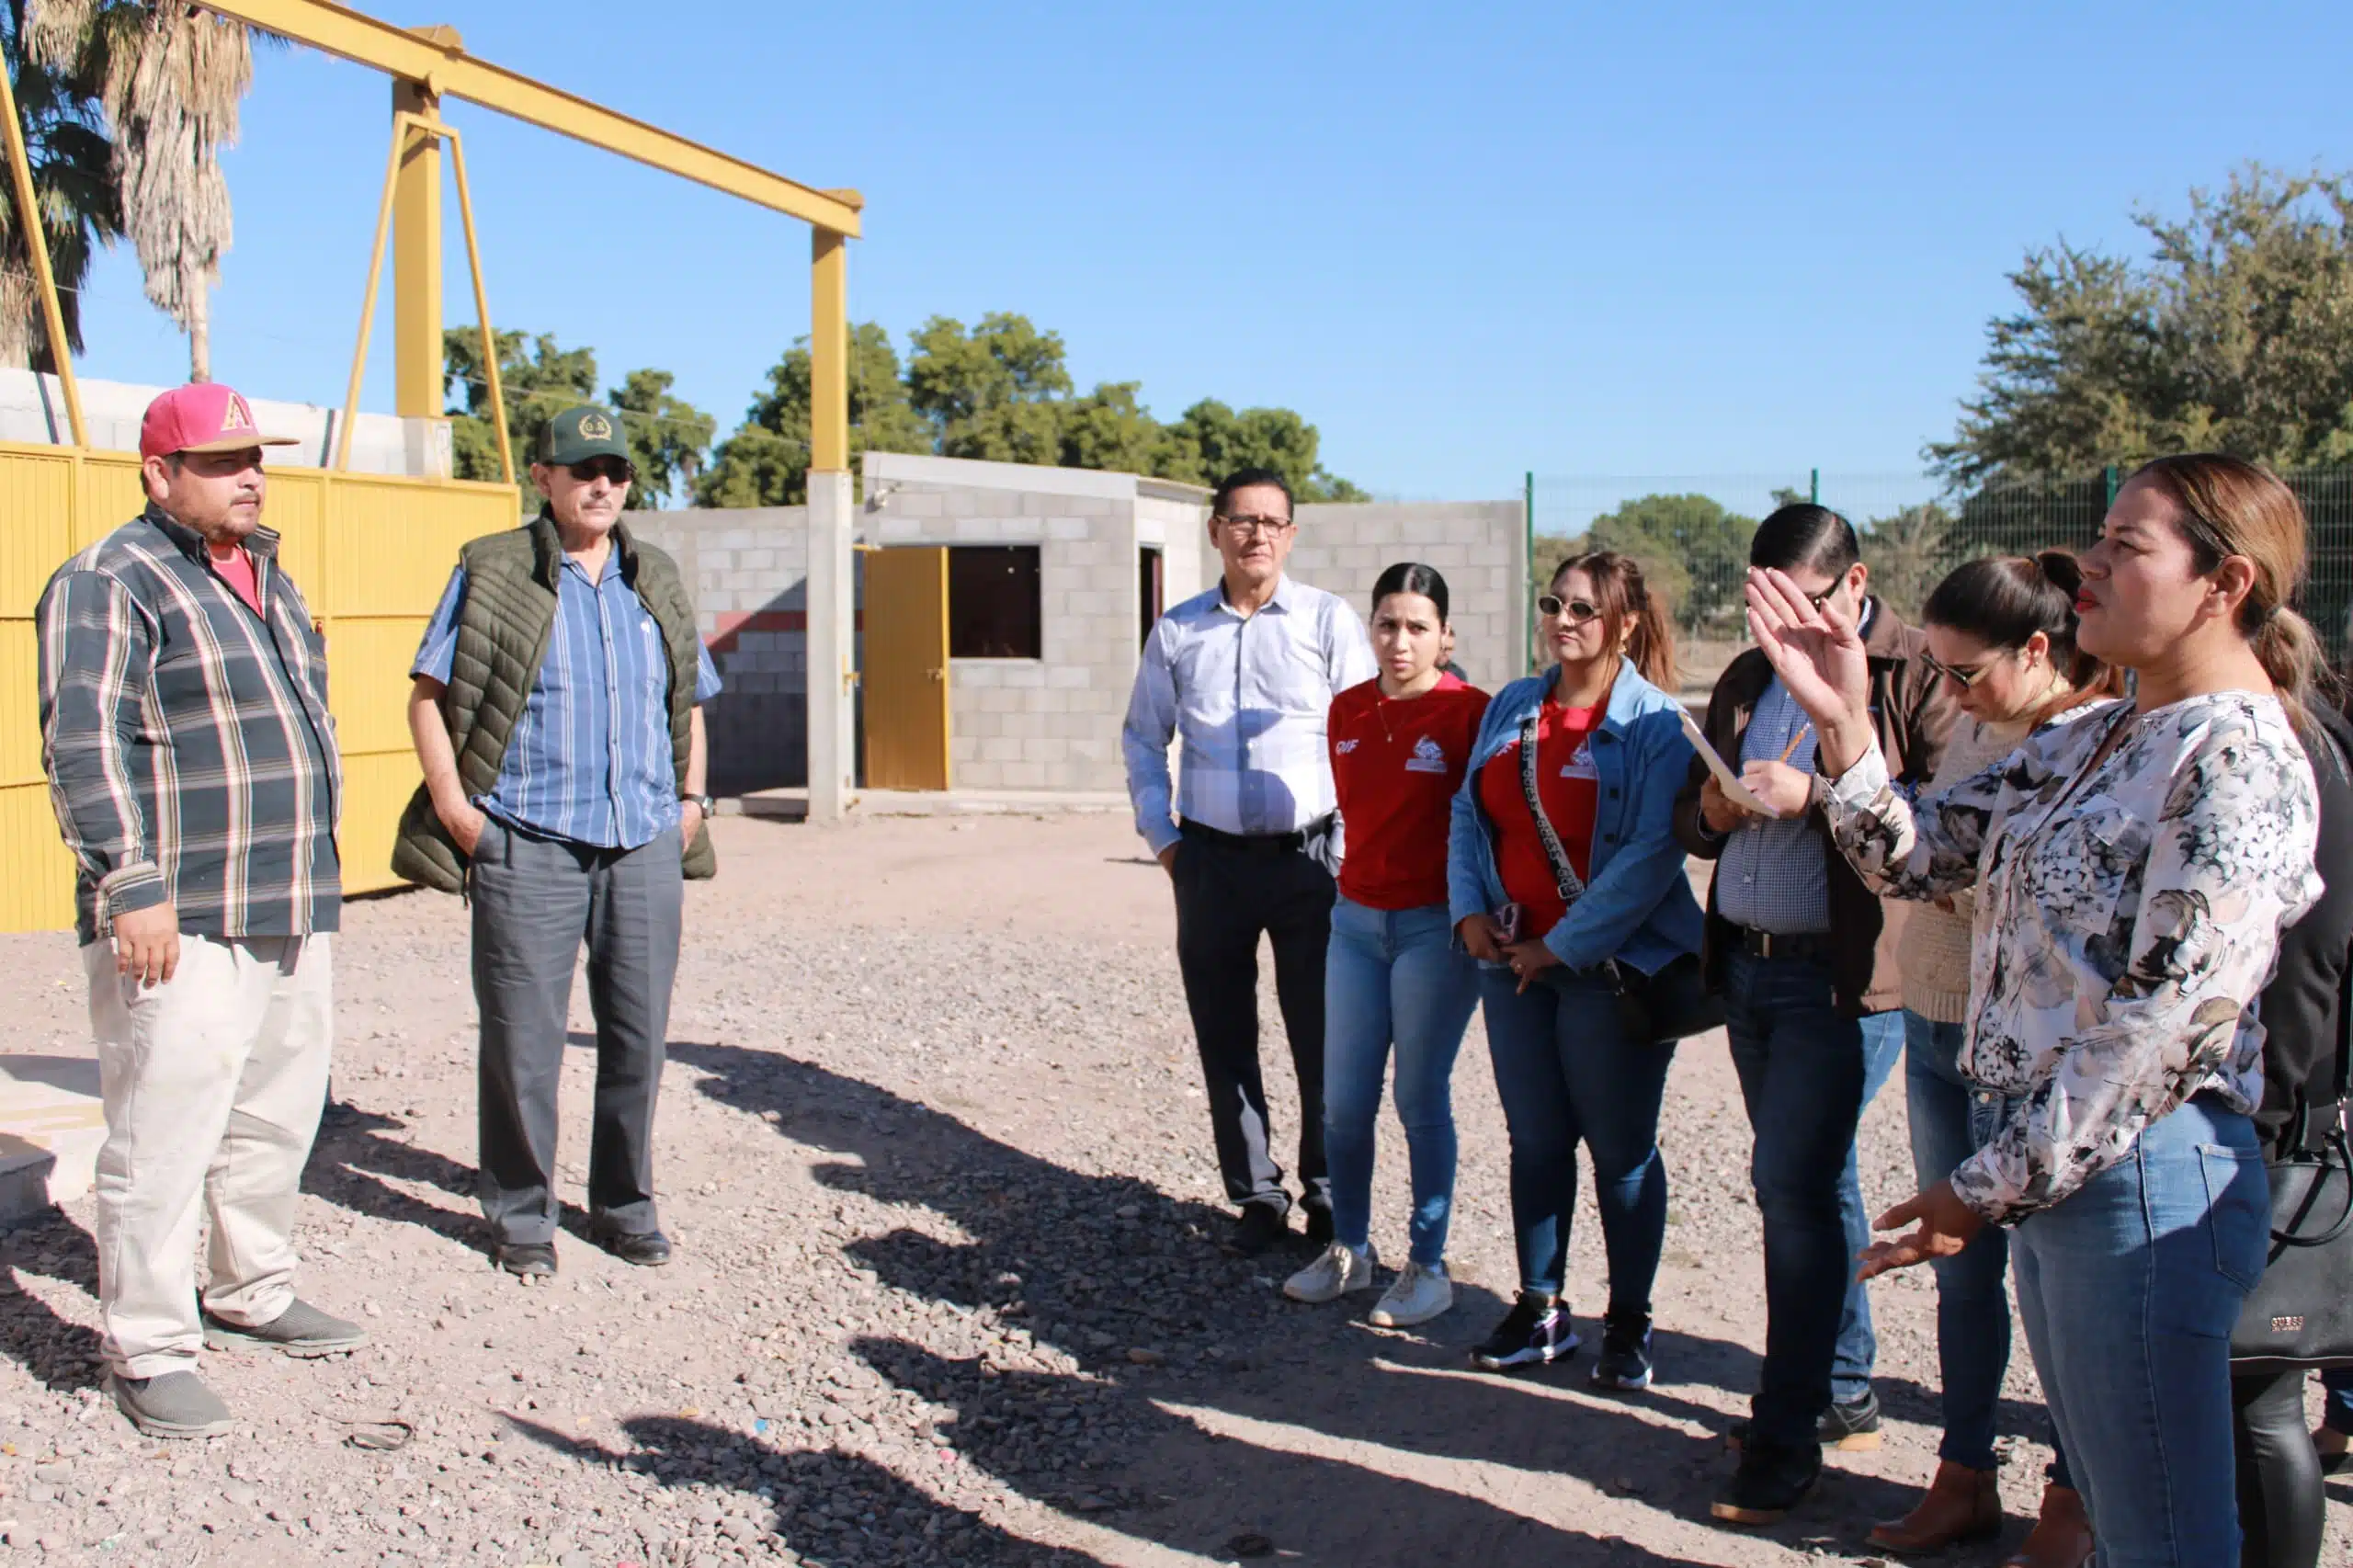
(556, 711)
(193, 767)
(1240, 678)
(1804, 954)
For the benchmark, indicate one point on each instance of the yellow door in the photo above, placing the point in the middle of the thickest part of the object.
(904, 669)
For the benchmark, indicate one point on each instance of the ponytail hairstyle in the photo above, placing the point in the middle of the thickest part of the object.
(1411, 577)
(1630, 613)
(2234, 507)
(2003, 600)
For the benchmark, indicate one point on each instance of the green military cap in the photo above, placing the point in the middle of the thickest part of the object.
(578, 434)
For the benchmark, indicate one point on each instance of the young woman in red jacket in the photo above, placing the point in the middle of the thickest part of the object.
(1393, 974)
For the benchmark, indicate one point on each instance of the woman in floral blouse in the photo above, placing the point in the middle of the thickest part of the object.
(2133, 872)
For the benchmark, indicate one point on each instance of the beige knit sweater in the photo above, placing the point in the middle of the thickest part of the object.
(1932, 954)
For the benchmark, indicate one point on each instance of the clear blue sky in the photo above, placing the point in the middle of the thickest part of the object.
(1465, 241)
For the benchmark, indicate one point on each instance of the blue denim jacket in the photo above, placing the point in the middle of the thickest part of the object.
(1637, 905)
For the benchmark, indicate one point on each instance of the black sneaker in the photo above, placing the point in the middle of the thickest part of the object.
(1319, 1226)
(1851, 1428)
(1260, 1227)
(1771, 1480)
(1536, 1329)
(1625, 1359)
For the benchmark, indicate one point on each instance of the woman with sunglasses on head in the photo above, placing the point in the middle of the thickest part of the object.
(2133, 871)
(2002, 631)
(1391, 975)
(1556, 898)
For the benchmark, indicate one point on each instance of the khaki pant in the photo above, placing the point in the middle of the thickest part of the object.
(212, 1083)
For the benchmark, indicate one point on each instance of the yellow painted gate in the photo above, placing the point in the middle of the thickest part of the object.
(370, 553)
(903, 669)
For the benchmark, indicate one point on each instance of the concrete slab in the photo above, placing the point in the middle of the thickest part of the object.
(792, 804)
(51, 1125)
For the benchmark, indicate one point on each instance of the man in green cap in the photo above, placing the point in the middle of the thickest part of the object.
(556, 712)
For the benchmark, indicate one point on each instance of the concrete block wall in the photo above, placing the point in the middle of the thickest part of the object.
(1479, 547)
(748, 569)
(1051, 723)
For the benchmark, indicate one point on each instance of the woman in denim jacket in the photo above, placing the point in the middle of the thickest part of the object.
(1611, 753)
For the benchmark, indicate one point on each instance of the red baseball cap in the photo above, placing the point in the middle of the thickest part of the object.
(203, 417)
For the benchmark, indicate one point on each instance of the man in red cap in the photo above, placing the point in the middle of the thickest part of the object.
(193, 767)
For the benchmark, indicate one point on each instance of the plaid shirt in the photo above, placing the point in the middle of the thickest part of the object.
(190, 751)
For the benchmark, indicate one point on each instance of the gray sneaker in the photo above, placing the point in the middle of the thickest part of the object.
(1340, 1270)
(302, 1330)
(176, 1405)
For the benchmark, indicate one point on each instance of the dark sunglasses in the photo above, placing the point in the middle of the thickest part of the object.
(1960, 676)
(616, 470)
(1578, 611)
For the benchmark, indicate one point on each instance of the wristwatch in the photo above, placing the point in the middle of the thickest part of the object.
(706, 802)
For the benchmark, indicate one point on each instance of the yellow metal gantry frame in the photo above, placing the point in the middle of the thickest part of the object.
(428, 64)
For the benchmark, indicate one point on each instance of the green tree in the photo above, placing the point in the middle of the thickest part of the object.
(974, 388)
(666, 437)
(765, 461)
(1692, 550)
(2235, 333)
(1211, 440)
(73, 187)
(1909, 554)
(541, 380)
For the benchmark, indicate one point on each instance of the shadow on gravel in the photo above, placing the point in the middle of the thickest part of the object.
(63, 1356)
(1127, 1280)
(829, 1507)
(356, 1150)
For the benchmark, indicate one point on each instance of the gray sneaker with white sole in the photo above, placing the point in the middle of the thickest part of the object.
(175, 1404)
(301, 1331)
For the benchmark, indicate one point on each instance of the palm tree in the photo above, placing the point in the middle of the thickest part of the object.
(170, 77)
(74, 187)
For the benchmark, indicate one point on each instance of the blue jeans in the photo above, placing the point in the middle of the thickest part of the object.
(1801, 1065)
(1850, 1370)
(1393, 976)
(2336, 1412)
(2129, 1289)
(1567, 1073)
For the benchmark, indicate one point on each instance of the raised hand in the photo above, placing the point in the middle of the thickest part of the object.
(1818, 653)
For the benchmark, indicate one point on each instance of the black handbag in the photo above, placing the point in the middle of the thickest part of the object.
(1657, 1009)
(2299, 1314)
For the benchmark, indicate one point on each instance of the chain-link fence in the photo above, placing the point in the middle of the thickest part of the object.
(1693, 534)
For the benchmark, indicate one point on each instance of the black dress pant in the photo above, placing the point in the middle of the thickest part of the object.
(1228, 893)
(2281, 1503)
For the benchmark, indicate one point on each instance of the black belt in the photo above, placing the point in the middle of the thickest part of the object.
(1770, 945)
(1256, 843)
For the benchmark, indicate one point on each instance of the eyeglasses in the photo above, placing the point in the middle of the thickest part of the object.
(1250, 527)
(616, 470)
(1963, 677)
(1576, 611)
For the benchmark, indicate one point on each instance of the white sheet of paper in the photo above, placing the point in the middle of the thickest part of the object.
(1734, 790)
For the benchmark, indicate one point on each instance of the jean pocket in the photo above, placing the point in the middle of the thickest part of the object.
(2238, 1211)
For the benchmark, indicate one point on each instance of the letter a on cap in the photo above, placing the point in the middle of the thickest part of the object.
(236, 416)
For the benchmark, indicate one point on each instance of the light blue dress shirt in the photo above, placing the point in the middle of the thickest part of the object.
(1245, 697)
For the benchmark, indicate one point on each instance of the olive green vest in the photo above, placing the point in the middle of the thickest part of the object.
(504, 624)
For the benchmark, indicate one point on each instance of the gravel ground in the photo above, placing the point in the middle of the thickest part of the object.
(934, 1151)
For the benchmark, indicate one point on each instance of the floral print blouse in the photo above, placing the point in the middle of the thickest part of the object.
(2125, 924)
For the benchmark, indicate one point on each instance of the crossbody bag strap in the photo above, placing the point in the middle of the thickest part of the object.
(1565, 876)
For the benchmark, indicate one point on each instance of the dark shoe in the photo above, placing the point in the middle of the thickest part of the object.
(527, 1260)
(1318, 1227)
(176, 1405)
(1537, 1329)
(647, 1249)
(1625, 1360)
(1961, 1504)
(1851, 1428)
(2062, 1537)
(1260, 1227)
(301, 1331)
(1771, 1480)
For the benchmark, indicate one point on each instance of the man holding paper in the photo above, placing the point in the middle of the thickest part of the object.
(1803, 954)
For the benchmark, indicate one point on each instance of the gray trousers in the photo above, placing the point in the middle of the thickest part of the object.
(535, 902)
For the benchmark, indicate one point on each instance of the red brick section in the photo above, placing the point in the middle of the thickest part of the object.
(732, 623)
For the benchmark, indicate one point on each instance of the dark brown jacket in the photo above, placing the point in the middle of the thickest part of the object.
(1912, 709)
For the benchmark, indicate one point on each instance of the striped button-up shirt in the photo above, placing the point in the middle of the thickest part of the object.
(590, 759)
(190, 751)
(1245, 697)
